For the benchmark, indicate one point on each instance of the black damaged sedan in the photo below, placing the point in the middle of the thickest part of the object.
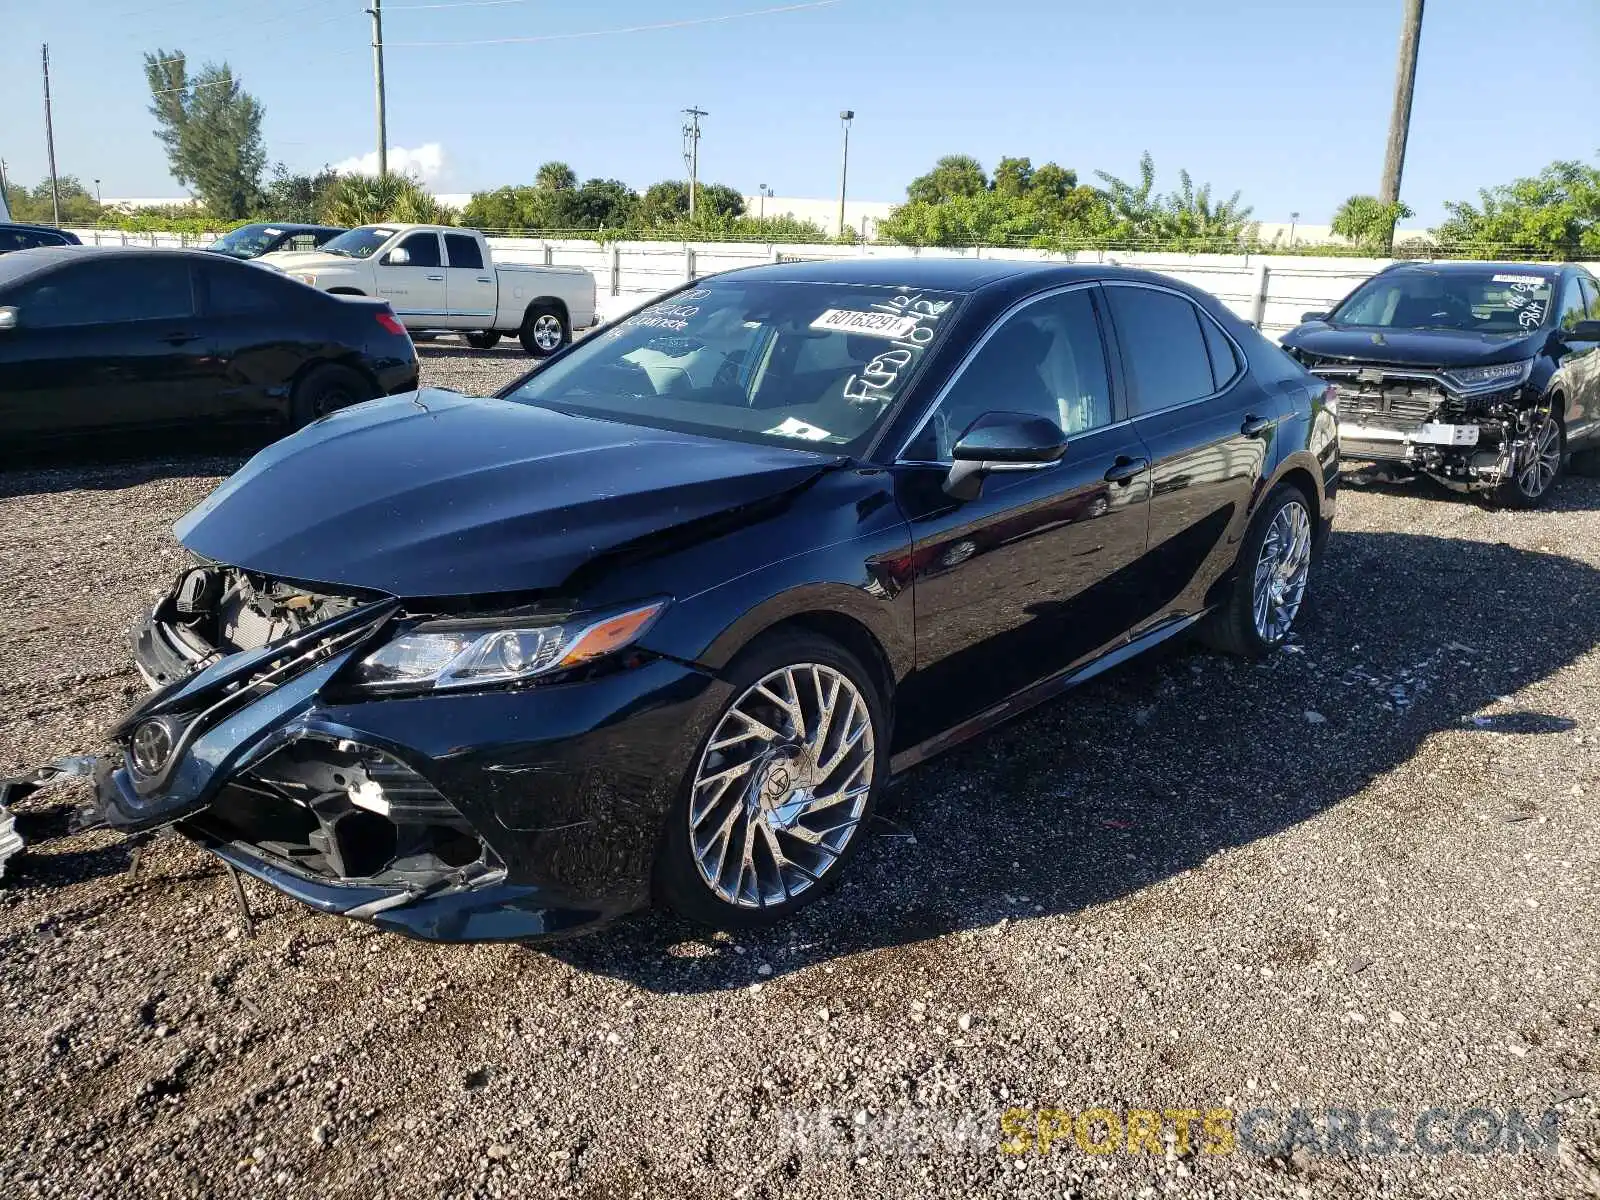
(660, 620)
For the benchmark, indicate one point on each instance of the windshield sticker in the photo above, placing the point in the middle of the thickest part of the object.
(873, 324)
(270, 232)
(876, 382)
(383, 232)
(795, 428)
(1527, 280)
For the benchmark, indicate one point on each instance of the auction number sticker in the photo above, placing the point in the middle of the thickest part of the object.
(891, 326)
(1525, 280)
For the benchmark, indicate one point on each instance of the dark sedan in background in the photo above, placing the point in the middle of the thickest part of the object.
(1485, 376)
(95, 340)
(663, 618)
(29, 237)
(252, 241)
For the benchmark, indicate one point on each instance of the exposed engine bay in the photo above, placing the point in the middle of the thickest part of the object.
(1417, 419)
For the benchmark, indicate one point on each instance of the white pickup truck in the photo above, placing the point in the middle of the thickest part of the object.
(438, 278)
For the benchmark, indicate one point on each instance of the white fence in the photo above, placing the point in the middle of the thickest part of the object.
(1270, 291)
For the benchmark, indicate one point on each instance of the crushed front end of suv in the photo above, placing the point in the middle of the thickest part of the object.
(1484, 376)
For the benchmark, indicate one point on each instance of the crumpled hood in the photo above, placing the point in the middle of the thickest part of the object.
(1414, 347)
(436, 494)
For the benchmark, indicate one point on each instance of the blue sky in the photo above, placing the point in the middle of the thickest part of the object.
(1284, 100)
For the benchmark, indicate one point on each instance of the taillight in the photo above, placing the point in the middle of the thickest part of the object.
(390, 322)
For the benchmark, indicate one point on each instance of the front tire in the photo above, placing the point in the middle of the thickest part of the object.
(326, 389)
(778, 797)
(485, 339)
(1534, 474)
(1270, 580)
(544, 330)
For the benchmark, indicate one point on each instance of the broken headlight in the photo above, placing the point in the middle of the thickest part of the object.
(1477, 381)
(448, 655)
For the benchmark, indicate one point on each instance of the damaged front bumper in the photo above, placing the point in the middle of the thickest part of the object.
(342, 805)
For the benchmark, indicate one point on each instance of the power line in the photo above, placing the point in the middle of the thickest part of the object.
(456, 4)
(590, 33)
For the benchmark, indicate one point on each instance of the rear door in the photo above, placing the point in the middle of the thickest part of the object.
(106, 342)
(416, 288)
(252, 320)
(470, 292)
(1579, 375)
(1208, 430)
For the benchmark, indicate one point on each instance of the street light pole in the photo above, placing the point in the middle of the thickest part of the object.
(97, 199)
(1293, 217)
(50, 140)
(762, 188)
(845, 117)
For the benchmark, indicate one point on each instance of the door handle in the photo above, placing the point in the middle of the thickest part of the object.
(1254, 425)
(1125, 468)
(484, 279)
(436, 278)
(178, 339)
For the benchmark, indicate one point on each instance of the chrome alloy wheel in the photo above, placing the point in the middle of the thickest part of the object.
(1282, 570)
(782, 785)
(547, 331)
(1541, 456)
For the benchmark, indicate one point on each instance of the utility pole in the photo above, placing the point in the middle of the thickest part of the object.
(376, 12)
(1394, 158)
(691, 152)
(50, 139)
(845, 117)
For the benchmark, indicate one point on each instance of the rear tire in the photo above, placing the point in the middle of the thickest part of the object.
(806, 793)
(544, 330)
(1271, 578)
(326, 389)
(486, 339)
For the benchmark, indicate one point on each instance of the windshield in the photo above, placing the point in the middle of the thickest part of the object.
(787, 363)
(359, 243)
(1488, 301)
(247, 241)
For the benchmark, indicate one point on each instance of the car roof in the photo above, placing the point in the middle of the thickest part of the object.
(943, 274)
(30, 227)
(20, 264)
(292, 226)
(1468, 266)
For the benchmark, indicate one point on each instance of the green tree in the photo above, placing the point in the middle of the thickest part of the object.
(1135, 208)
(952, 176)
(1013, 177)
(300, 198)
(369, 199)
(211, 128)
(556, 177)
(1368, 222)
(1556, 213)
(605, 204)
(78, 205)
(1189, 220)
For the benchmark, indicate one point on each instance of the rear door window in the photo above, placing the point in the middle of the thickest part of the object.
(464, 251)
(233, 293)
(1163, 347)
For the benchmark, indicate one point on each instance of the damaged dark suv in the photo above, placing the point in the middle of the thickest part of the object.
(660, 620)
(1484, 376)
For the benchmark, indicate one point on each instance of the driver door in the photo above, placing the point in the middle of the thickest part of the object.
(415, 289)
(1038, 574)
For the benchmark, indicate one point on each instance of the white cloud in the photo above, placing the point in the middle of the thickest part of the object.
(426, 162)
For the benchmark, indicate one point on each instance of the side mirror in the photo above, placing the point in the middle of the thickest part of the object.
(397, 258)
(1313, 316)
(8, 317)
(1583, 331)
(1002, 441)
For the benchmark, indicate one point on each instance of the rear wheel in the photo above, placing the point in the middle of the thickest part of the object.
(485, 339)
(544, 330)
(780, 793)
(326, 389)
(1271, 576)
(1538, 464)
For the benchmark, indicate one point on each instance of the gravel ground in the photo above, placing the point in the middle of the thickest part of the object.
(1360, 875)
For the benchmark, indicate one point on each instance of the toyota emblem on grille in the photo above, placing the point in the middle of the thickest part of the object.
(151, 747)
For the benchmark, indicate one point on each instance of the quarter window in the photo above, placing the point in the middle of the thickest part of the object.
(423, 249)
(104, 292)
(463, 251)
(232, 293)
(1048, 360)
(1225, 363)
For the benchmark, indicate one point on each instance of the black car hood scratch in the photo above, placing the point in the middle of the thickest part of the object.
(462, 496)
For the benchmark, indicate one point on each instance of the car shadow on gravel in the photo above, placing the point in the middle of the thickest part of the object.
(1154, 768)
(113, 468)
(1572, 493)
